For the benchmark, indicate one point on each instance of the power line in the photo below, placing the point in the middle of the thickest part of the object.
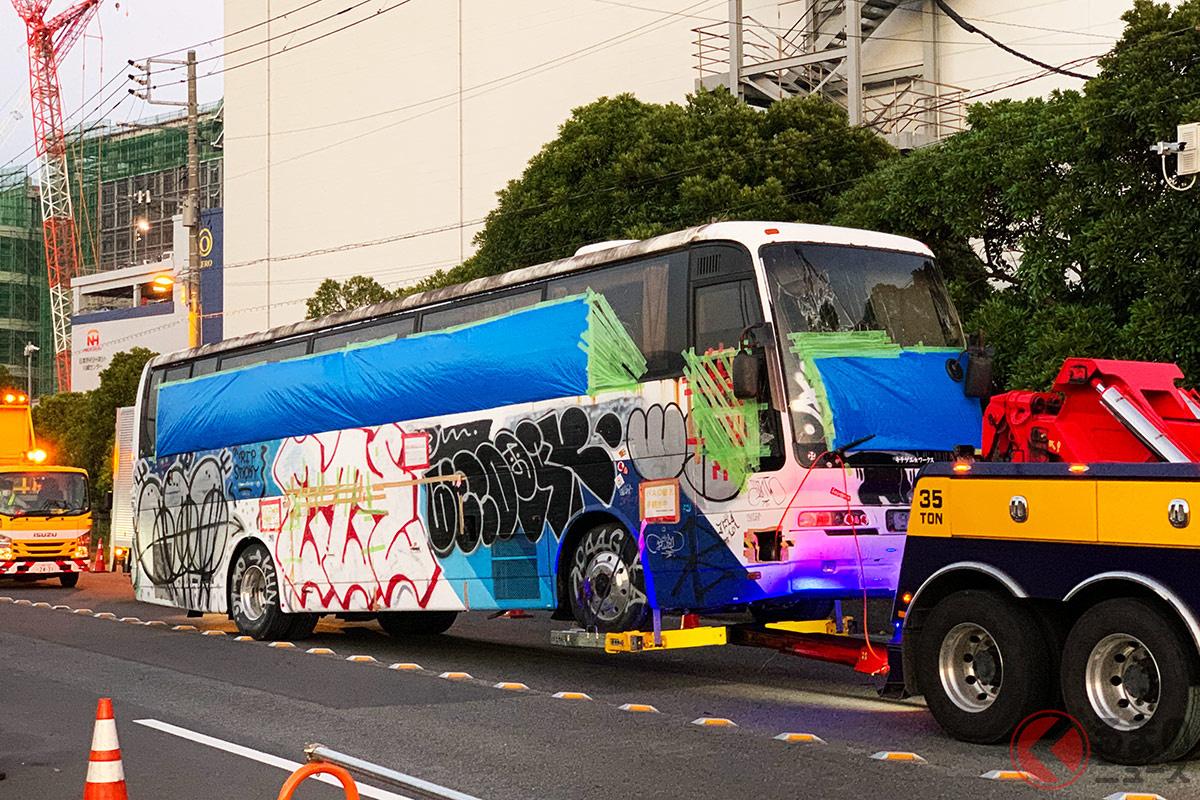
(969, 28)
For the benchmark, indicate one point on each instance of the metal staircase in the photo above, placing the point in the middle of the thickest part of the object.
(815, 55)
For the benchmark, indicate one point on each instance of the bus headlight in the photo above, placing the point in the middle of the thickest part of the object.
(5, 548)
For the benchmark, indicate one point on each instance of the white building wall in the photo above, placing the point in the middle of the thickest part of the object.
(382, 130)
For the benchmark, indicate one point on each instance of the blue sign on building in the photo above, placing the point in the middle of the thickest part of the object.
(212, 281)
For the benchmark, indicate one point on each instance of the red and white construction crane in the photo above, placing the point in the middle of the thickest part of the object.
(49, 41)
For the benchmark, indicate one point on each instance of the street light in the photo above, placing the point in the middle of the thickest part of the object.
(142, 226)
(30, 349)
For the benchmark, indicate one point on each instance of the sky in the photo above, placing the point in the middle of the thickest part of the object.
(123, 30)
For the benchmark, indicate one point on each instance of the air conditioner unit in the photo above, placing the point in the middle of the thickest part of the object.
(1188, 159)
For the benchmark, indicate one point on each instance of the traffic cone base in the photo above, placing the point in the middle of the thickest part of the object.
(106, 774)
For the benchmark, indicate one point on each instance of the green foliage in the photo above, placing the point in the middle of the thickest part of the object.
(624, 169)
(1051, 219)
(333, 296)
(9, 381)
(78, 429)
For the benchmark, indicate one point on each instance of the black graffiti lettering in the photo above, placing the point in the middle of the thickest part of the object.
(524, 479)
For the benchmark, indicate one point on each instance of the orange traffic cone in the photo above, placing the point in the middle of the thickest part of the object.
(105, 775)
(99, 565)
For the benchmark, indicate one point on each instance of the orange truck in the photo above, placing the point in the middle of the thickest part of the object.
(45, 511)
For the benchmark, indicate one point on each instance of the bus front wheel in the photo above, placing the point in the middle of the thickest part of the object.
(69, 580)
(254, 596)
(607, 584)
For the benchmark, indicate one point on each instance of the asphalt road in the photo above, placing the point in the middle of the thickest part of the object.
(184, 701)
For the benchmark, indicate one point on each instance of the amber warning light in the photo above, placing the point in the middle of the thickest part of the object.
(14, 398)
(37, 456)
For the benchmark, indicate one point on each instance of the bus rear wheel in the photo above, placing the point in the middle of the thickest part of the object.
(417, 623)
(606, 583)
(69, 580)
(254, 597)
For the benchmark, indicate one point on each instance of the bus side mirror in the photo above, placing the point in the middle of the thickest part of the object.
(978, 380)
(108, 501)
(746, 368)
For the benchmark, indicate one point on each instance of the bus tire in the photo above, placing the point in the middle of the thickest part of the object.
(983, 666)
(606, 584)
(1130, 678)
(417, 623)
(69, 580)
(254, 596)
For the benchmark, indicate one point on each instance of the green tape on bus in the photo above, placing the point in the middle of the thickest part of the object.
(727, 427)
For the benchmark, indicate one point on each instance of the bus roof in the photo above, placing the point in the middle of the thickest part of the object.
(753, 234)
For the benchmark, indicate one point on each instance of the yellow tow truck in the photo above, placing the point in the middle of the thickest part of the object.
(45, 511)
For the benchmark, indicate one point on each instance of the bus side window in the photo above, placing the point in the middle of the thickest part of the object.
(465, 313)
(650, 299)
(387, 329)
(179, 372)
(205, 366)
(723, 310)
(265, 355)
(146, 441)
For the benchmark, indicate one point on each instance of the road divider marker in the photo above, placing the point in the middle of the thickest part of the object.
(281, 644)
(456, 676)
(183, 628)
(511, 686)
(23, 602)
(406, 665)
(41, 605)
(82, 611)
(1005, 775)
(243, 638)
(800, 737)
(1134, 796)
(105, 615)
(155, 623)
(639, 707)
(360, 658)
(571, 696)
(320, 651)
(212, 633)
(718, 722)
(257, 755)
(892, 755)
(6, 599)
(60, 608)
(134, 620)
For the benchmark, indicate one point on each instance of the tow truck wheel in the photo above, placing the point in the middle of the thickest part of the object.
(69, 580)
(254, 596)
(606, 584)
(983, 666)
(1131, 678)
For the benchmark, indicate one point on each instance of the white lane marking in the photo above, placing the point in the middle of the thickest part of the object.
(259, 756)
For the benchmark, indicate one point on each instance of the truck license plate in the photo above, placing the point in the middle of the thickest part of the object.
(44, 566)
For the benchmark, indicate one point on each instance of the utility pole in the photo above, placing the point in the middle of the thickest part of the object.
(30, 349)
(191, 205)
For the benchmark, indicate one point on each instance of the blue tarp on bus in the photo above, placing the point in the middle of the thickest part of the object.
(531, 355)
(907, 402)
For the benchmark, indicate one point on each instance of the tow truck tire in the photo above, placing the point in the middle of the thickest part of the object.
(983, 666)
(606, 584)
(69, 580)
(417, 623)
(254, 596)
(1130, 677)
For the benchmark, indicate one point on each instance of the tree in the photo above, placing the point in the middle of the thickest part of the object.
(1051, 218)
(333, 296)
(79, 429)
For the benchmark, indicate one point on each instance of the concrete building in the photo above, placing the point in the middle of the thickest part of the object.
(373, 142)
